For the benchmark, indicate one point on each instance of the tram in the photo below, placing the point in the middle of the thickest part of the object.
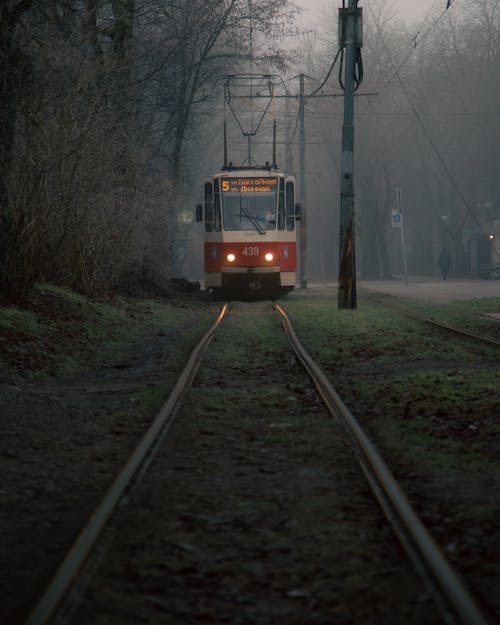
(250, 245)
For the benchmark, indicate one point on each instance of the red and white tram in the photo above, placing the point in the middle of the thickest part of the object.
(250, 244)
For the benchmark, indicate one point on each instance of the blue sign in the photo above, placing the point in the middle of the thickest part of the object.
(397, 219)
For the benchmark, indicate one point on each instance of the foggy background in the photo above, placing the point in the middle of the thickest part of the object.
(111, 116)
(407, 10)
(432, 131)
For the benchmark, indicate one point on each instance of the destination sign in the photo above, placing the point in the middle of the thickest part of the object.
(249, 185)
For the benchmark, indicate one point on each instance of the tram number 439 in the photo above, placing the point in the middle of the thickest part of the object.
(249, 250)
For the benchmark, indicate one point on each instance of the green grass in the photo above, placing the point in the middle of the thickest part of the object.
(429, 400)
(21, 320)
(152, 398)
(370, 334)
(56, 331)
(468, 315)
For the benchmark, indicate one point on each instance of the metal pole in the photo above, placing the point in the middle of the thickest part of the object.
(275, 165)
(347, 257)
(302, 186)
(401, 227)
(225, 145)
(288, 146)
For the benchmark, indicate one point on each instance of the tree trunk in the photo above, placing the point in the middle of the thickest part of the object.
(11, 70)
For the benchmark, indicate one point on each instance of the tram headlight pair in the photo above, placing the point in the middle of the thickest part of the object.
(269, 256)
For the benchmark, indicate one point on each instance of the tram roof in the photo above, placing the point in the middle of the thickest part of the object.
(243, 172)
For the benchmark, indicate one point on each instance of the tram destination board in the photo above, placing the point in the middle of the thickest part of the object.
(249, 185)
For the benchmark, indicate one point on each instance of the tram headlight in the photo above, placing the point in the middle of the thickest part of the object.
(231, 258)
(269, 257)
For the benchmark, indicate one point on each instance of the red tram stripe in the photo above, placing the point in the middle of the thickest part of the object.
(251, 254)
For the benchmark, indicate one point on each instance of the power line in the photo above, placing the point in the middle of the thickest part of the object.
(415, 41)
(424, 128)
(428, 13)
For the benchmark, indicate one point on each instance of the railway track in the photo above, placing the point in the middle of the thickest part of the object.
(454, 601)
(396, 306)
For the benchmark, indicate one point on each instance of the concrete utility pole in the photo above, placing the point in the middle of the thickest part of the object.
(347, 256)
(302, 185)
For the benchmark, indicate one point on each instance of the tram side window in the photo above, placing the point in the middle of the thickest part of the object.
(281, 206)
(217, 217)
(209, 207)
(290, 205)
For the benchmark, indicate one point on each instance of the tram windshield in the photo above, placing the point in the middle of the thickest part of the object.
(249, 204)
(246, 211)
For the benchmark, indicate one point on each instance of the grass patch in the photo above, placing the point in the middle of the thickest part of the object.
(430, 392)
(151, 399)
(56, 331)
(421, 393)
(468, 315)
(24, 321)
(371, 334)
(431, 452)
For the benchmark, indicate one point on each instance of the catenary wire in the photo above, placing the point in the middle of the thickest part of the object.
(434, 147)
(415, 41)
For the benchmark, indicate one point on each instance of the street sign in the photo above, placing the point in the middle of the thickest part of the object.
(397, 219)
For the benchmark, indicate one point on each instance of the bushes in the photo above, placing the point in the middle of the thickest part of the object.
(69, 212)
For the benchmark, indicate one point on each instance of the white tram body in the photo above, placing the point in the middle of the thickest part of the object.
(250, 232)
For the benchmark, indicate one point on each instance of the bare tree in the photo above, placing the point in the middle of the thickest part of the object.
(67, 215)
(194, 44)
(93, 143)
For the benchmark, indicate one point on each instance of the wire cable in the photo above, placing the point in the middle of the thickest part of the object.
(435, 149)
(358, 69)
(358, 65)
(339, 51)
(358, 60)
(415, 41)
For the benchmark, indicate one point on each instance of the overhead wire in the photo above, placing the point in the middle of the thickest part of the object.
(435, 149)
(428, 14)
(414, 42)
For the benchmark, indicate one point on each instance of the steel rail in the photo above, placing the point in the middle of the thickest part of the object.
(384, 484)
(439, 324)
(67, 572)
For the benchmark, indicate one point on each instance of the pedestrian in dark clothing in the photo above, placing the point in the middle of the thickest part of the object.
(444, 263)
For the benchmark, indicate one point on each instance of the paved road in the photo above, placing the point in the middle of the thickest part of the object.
(428, 289)
(436, 290)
